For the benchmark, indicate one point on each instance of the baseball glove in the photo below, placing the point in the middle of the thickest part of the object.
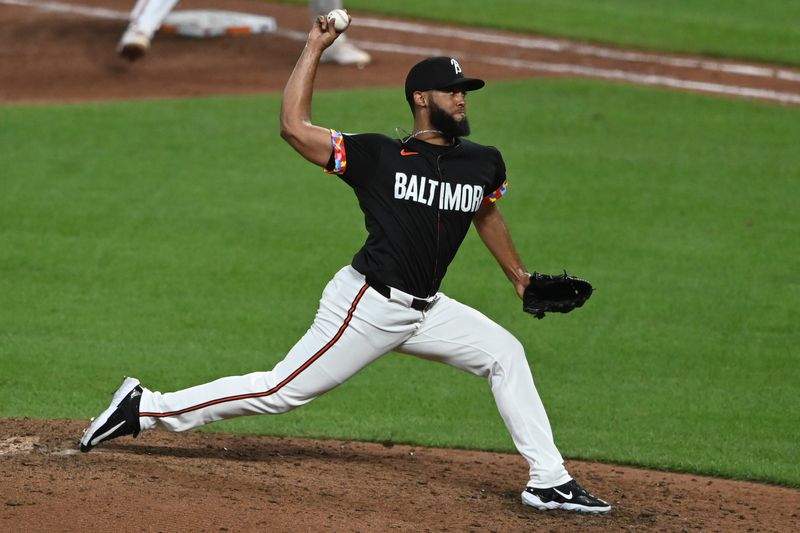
(554, 294)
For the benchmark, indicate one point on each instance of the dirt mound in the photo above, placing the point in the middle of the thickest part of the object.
(213, 482)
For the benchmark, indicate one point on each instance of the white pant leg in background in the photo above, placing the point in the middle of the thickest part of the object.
(147, 15)
(353, 327)
(323, 7)
(459, 336)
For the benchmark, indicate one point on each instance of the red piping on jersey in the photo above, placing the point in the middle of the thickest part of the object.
(280, 385)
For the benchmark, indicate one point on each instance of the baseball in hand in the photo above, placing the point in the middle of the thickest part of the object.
(340, 19)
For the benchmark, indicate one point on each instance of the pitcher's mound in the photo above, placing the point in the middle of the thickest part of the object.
(212, 482)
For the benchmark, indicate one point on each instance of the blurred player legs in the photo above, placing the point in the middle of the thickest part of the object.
(148, 15)
(341, 52)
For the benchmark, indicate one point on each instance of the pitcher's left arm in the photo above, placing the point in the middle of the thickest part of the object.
(494, 233)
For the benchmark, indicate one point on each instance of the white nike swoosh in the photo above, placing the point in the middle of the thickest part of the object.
(566, 496)
(99, 438)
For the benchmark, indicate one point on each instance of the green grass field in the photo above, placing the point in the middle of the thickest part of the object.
(198, 248)
(747, 29)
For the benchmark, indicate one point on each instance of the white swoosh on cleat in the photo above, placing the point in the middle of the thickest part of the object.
(566, 496)
(97, 440)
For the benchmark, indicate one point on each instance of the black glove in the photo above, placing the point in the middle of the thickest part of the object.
(554, 294)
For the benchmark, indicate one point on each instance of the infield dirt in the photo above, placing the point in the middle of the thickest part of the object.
(61, 57)
(213, 482)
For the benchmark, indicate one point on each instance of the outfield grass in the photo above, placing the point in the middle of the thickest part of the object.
(198, 246)
(748, 29)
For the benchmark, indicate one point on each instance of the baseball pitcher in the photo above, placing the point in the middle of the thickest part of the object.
(419, 195)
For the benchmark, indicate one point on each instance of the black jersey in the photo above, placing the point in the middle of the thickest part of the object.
(418, 201)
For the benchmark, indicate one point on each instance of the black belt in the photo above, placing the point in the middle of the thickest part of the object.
(386, 291)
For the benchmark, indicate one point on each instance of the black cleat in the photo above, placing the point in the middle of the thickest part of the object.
(570, 496)
(120, 418)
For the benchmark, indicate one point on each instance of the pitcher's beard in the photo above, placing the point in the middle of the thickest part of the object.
(450, 127)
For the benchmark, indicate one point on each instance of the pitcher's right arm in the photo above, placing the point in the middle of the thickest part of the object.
(310, 141)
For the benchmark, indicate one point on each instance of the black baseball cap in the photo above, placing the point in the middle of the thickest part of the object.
(438, 72)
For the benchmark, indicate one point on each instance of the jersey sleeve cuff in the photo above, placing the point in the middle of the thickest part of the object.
(338, 162)
(496, 195)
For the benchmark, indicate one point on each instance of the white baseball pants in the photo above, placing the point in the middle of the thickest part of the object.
(147, 15)
(354, 326)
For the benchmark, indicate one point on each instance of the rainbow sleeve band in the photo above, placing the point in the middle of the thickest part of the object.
(339, 154)
(496, 195)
